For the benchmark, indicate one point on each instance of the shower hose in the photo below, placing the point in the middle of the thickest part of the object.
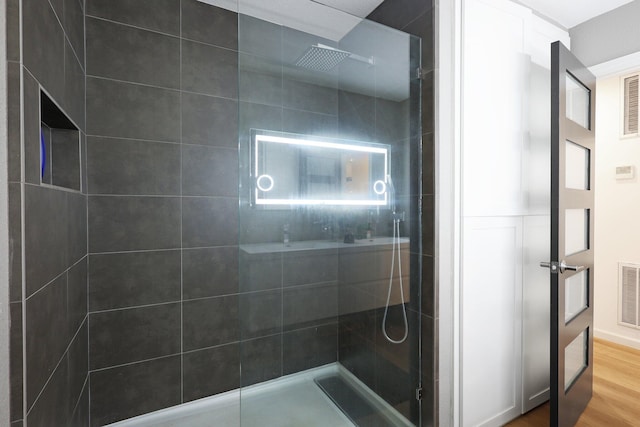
(395, 241)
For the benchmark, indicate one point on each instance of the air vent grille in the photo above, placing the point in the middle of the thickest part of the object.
(629, 294)
(631, 105)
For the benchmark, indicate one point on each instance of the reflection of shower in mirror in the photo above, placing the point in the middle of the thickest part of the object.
(292, 169)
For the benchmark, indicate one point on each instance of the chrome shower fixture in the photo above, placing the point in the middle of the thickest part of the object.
(320, 57)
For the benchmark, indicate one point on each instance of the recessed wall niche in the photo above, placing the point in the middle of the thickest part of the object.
(59, 146)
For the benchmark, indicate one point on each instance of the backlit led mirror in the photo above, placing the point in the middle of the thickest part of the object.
(292, 169)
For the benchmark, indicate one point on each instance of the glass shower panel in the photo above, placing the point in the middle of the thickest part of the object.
(329, 236)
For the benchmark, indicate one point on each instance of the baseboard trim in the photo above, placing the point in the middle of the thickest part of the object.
(616, 338)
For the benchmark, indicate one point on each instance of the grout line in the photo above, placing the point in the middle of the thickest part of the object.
(181, 217)
(23, 304)
(209, 95)
(137, 362)
(85, 180)
(161, 250)
(168, 89)
(53, 280)
(53, 372)
(133, 307)
(166, 196)
(124, 24)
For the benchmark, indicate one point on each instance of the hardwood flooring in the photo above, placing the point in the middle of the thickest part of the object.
(616, 391)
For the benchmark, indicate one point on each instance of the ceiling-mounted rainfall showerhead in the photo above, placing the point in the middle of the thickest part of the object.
(325, 58)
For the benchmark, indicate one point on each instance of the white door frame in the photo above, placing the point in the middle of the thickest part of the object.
(448, 107)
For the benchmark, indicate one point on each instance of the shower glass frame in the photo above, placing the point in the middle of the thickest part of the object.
(308, 300)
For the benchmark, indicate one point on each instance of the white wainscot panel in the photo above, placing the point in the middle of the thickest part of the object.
(492, 319)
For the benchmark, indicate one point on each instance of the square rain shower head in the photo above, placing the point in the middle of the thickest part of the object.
(322, 58)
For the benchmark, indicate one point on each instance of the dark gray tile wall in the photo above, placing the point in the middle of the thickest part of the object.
(220, 363)
(52, 295)
(162, 156)
(127, 391)
(162, 226)
(417, 17)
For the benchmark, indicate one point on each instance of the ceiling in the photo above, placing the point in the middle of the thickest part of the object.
(331, 19)
(321, 21)
(570, 13)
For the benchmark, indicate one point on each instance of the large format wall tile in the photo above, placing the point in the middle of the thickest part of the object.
(305, 267)
(45, 235)
(308, 348)
(46, 334)
(127, 166)
(74, 26)
(208, 120)
(77, 295)
(135, 278)
(52, 406)
(260, 314)
(131, 54)
(126, 391)
(209, 171)
(80, 416)
(209, 70)
(222, 365)
(397, 14)
(260, 272)
(15, 360)
(73, 100)
(15, 243)
(258, 37)
(299, 95)
(158, 15)
(31, 136)
(305, 306)
(209, 24)
(261, 87)
(209, 222)
(132, 111)
(261, 359)
(76, 226)
(210, 322)
(120, 223)
(209, 272)
(134, 334)
(13, 30)
(78, 365)
(309, 123)
(44, 60)
(14, 104)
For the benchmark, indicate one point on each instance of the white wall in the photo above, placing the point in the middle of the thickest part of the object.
(617, 212)
(505, 194)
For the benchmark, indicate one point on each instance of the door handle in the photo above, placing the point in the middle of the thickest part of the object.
(561, 266)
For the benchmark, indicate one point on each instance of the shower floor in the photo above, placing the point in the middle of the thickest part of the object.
(291, 401)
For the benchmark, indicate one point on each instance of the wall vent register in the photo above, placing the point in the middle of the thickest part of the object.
(629, 295)
(631, 111)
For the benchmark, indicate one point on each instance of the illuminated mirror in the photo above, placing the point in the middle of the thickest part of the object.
(291, 169)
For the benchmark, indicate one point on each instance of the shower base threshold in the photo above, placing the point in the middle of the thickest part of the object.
(291, 401)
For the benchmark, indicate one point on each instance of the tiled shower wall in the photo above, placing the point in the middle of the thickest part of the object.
(164, 291)
(48, 287)
(417, 17)
(163, 204)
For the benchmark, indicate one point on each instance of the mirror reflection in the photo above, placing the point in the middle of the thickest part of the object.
(292, 169)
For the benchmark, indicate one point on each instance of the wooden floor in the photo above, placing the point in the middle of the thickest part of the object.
(616, 391)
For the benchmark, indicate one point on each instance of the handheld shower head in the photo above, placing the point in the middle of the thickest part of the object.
(392, 194)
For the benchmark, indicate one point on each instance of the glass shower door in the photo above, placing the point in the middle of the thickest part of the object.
(329, 138)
